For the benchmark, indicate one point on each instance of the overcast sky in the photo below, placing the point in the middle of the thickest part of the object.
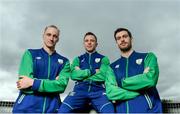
(155, 26)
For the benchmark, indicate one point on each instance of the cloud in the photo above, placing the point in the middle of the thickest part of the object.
(172, 92)
(154, 25)
(8, 85)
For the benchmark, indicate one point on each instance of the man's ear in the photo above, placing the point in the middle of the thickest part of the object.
(58, 39)
(43, 35)
(132, 41)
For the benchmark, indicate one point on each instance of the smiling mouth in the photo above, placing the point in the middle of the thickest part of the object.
(89, 46)
(50, 42)
(123, 44)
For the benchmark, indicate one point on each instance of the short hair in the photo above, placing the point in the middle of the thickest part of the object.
(90, 33)
(52, 26)
(122, 29)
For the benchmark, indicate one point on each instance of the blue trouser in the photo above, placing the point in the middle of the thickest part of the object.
(37, 103)
(140, 104)
(84, 93)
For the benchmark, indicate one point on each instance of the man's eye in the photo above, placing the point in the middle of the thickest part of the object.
(93, 40)
(117, 38)
(48, 34)
(55, 36)
(125, 36)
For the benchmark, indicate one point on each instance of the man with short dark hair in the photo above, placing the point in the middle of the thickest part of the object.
(43, 74)
(131, 80)
(89, 72)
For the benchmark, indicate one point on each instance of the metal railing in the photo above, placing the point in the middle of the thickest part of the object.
(168, 106)
(6, 106)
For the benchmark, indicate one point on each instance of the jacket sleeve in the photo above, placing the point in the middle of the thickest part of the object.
(59, 85)
(26, 68)
(145, 80)
(100, 76)
(113, 91)
(78, 74)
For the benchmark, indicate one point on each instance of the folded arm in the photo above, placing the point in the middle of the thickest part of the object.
(26, 70)
(101, 72)
(114, 92)
(77, 73)
(147, 79)
(58, 85)
(46, 85)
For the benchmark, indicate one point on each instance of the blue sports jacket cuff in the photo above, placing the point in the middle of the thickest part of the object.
(36, 84)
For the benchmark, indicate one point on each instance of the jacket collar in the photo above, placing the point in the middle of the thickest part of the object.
(44, 51)
(131, 55)
(93, 53)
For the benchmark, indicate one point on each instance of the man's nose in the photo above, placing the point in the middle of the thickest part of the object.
(51, 37)
(89, 42)
(122, 39)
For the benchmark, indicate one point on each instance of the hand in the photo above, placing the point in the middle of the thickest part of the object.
(97, 70)
(146, 70)
(77, 68)
(113, 102)
(57, 77)
(24, 82)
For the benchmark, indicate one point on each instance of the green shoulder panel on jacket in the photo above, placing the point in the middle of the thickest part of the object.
(114, 92)
(59, 85)
(145, 80)
(78, 74)
(26, 68)
(105, 60)
(100, 76)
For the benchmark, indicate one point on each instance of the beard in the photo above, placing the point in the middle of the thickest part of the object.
(126, 49)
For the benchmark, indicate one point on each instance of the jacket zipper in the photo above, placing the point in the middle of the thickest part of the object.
(49, 63)
(90, 68)
(127, 104)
